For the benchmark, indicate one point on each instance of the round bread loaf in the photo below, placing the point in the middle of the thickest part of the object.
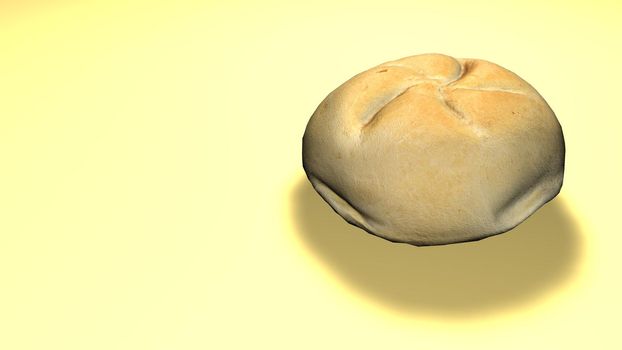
(430, 150)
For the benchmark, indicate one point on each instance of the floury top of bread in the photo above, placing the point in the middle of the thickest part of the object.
(430, 149)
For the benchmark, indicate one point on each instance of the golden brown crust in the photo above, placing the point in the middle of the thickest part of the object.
(430, 149)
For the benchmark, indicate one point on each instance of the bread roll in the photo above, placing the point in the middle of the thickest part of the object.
(430, 149)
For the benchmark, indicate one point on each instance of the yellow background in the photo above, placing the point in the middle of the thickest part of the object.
(152, 194)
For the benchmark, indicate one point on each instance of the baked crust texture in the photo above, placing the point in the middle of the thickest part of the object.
(429, 150)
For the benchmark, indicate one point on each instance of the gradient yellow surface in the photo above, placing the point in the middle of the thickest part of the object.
(152, 195)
